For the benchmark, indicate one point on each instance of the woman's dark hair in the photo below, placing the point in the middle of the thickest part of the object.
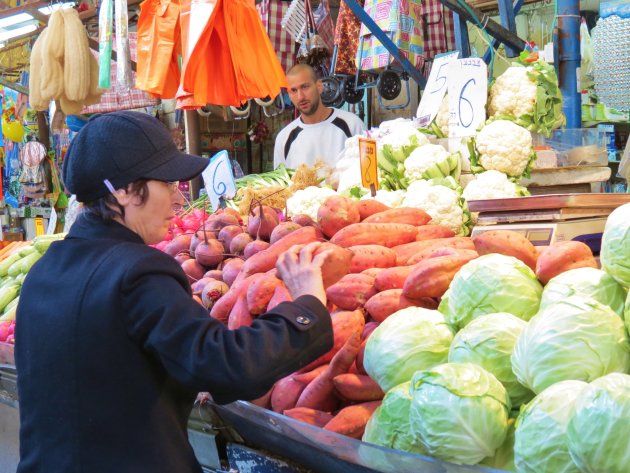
(108, 208)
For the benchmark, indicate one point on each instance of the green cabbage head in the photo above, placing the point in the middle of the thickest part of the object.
(459, 412)
(389, 425)
(615, 250)
(589, 282)
(503, 458)
(600, 426)
(409, 340)
(488, 341)
(577, 338)
(490, 284)
(541, 444)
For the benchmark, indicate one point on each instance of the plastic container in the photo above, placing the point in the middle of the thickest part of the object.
(574, 147)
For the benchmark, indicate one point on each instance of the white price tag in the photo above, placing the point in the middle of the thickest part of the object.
(52, 222)
(435, 88)
(467, 96)
(219, 179)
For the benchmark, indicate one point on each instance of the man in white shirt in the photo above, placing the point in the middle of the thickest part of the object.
(320, 132)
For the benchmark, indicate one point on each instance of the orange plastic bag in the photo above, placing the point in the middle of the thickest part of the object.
(158, 47)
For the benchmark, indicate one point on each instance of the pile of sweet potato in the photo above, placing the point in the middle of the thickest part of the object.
(383, 260)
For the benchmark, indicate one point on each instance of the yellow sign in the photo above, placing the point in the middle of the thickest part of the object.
(367, 153)
(39, 226)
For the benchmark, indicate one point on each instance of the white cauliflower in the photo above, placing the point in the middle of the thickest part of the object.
(492, 185)
(347, 173)
(440, 202)
(442, 117)
(431, 161)
(503, 146)
(513, 93)
(307, 201)
(392, 199)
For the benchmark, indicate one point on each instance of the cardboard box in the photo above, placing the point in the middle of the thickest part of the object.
(587, 230)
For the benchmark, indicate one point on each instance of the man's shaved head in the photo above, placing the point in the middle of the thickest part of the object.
(301, 68)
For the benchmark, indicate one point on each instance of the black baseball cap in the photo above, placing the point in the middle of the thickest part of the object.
(119, 148)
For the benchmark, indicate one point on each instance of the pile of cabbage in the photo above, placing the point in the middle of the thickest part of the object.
(509, 374)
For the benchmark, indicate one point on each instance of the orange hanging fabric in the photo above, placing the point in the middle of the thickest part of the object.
(158, 47)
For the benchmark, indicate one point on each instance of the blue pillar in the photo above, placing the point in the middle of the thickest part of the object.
(569, 60)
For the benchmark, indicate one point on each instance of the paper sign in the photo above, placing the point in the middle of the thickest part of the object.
(367, 153)
(39, 226)
(52, 222)
(435, 88)
(218, 179)
(467, 96)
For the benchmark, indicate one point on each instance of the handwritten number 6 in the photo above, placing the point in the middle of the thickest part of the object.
(221, 187)
(463, 99)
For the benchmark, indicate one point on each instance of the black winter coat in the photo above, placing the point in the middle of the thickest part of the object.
(111, 351)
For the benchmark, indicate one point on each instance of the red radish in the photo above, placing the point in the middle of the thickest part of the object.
(177, 222)
(239, 242)
(212, 291)
(261, 222)
(168, 237)
(209, 253)
(183, 256)
(177, 231)
(200, 214)
(283, 229)
(190, 223)
(227, 233)
(193, 270)
(178, 244)
(254, 247)
(214, 274)
(231, 268)
(197, 286)
(303, 220)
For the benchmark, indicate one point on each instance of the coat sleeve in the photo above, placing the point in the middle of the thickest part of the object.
(202, 353)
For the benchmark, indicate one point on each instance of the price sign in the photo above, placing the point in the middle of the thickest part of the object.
(219, 179)
(367, 153)
(467, 96)
(435, 88)
(39, 226)
(52, 222)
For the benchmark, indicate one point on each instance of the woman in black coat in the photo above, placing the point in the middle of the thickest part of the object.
(111, 350)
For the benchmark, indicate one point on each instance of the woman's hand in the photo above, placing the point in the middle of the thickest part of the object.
(302, 272)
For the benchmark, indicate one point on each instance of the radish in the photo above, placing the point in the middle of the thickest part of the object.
(182, 256)
(232, 212)
(217, 221)
(227, 233)
(190, 223)
(238, 243)
(194, 271)
(231, 268)
(197, 286)
(178, 244)
(254, 247)
(212, 291)
(262, 220)
(209, 253)
(303, 220)
(282, 230)
(214, 274)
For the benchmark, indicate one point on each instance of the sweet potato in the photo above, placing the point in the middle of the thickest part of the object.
(309, 376)
(384, 234)
(335, 213)
(259, 293)
(405, 252)
(336, 265)
(222, 307)
(309, 416)
(431, 232)
(319, 391)
(372, 271)
(371, 256)
(368, 329)
(285, 394)
(392, 278)
(369, 207)
(351, 420)
(563, 256)
(282, 230)
(405, 215)
(344, 324)
(383, 304)
(360, 357)
(264, 401)
(266, 259)
(459, 243)
(280, 295)
(239, 315)
(432, 276)
(509, 243)
(356, 387)
(351, 291)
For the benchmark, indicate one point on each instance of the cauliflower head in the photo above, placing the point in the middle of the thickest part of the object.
(442, 203)
(492, 185)
(513, 93)
(442, 117)
(502, 146)
(392, 199)
(399, 143)
(307, 201)
(431, 161)
(347, 173)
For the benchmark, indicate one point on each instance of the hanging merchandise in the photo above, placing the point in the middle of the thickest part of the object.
(105, 32)
(347, 32)
(12, 127)
(189, 34)
(271, 14)
(313, 50)
(439, 31)
(586, 53)
(158, 48)
(33, 176)
(124, 81)
(402, 21)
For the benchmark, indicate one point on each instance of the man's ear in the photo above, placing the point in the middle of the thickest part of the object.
(320, 86)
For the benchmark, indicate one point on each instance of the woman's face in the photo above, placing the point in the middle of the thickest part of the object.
(152, 219)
